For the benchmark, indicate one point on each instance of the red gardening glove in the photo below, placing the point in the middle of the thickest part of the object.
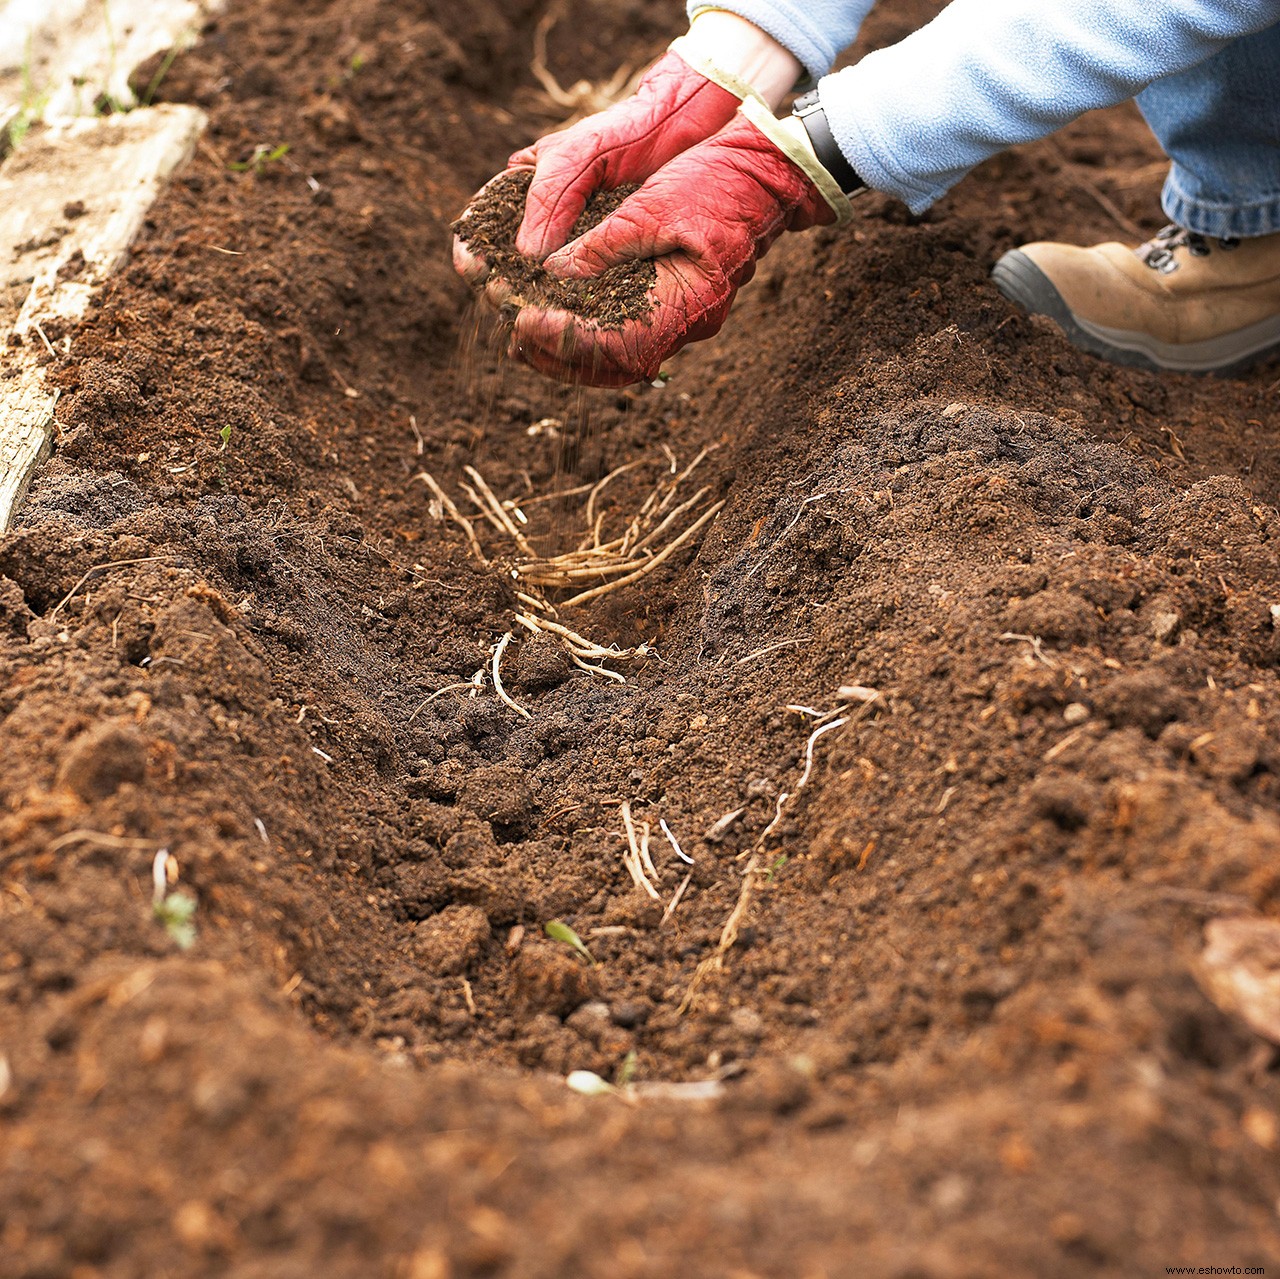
(673, 108)
(706, 218)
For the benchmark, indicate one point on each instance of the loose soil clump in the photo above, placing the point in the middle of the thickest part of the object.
(488, 228)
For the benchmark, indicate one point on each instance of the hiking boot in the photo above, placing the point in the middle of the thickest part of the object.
(1181, 302)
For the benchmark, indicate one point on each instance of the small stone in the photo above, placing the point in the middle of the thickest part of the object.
(1076, 713)
(1239, 969)
(629, 1014)
(954, 410)
(950, 1193)
(1260, 1127)
(200, 1227)
(772, 1086)
(747, 1022)
(1275, 616)
(1164, 626)
(591, 1020)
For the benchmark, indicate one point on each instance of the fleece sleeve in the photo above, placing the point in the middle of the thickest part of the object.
(816, 31)
(913, 119)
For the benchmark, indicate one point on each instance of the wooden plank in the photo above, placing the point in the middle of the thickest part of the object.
(26, 439)
(111, 170)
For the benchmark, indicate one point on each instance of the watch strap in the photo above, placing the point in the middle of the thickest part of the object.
(809, 111)
(796, 147)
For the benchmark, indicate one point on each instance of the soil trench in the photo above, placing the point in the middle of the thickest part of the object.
(957, 1029)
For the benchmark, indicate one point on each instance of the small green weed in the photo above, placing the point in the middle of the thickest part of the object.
(176, 911)
(262, 157)
(561, 932)
(166, 65)
(777, 864)
(30, 108)
(225, 436)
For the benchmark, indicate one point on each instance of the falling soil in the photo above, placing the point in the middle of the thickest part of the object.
(489, 226)
(958, 1033)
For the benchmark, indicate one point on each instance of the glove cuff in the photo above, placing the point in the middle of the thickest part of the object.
(795, 145)
(685, 50)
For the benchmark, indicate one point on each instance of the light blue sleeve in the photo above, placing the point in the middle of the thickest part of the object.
(913, 119)
(816, 31)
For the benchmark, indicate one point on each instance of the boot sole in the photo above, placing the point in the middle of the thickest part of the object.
(1021, 281)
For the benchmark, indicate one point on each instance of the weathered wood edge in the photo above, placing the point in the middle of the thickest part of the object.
(158, 141)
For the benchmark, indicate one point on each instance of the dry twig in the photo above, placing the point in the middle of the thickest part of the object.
(600, 564)
(582, 98)
(671, 839)
(675, 901)
(101, 568)
(448, 508)
(754, 872)
(502, 693)
(1036, 643)
(637, 853)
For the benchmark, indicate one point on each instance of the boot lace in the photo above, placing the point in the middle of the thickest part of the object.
(1160, 253)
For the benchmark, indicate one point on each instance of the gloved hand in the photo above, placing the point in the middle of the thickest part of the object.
(674, 107)
(686, 96)
(706, 219)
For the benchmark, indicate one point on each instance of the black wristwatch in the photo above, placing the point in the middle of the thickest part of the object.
(808, 110)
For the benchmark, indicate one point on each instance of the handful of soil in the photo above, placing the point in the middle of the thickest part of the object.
(488, 228)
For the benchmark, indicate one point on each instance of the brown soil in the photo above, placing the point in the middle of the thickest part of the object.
(959, 1033)
(488, 228)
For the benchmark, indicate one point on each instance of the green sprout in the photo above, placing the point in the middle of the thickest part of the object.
(777, 864)
(106, 103)
(176, 912)
(30, 109)
(166, 65)
(561, 932)
(225, 436)
(262, 156)
(627, 1071)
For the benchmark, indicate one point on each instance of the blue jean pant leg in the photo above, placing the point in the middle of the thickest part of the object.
(1219, 123)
